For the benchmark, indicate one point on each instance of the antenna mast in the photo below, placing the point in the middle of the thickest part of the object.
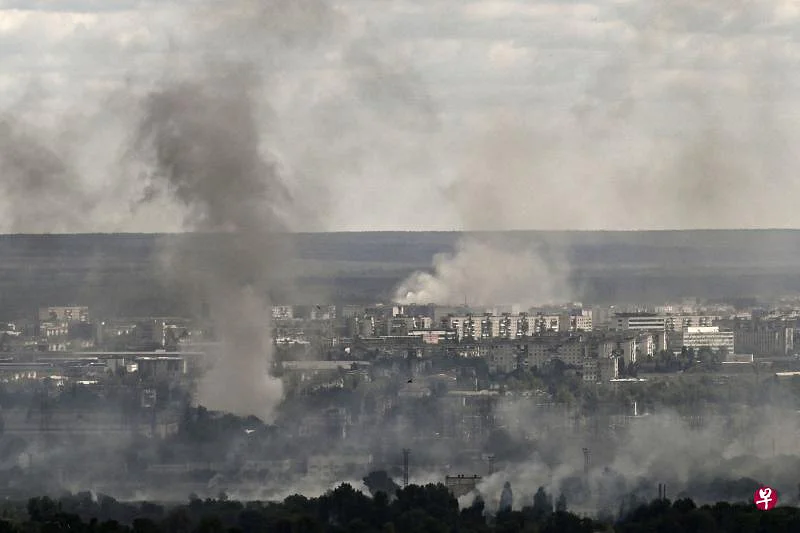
(406, 453)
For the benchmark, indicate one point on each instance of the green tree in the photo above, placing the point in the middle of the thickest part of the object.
(542, 504)
(561, 503)
(379, 481)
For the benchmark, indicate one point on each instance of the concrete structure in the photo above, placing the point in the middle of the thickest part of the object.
(505, 326)
(503, 358)
(68, 314)
(589, 370)
(681, 322)
(282, 312)
(162, 367)
(708, 337)
(763, 338)
(461, 484)
(543, 323)
(631, 346)
(739, 358)
(639, 321)
(600, 369)
(580, 320)
(434, 336)
(539, 351)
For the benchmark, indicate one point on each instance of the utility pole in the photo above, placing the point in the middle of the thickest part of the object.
(406, 453)
(586, 454)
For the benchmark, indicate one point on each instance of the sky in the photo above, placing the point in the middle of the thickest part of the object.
(418, 115)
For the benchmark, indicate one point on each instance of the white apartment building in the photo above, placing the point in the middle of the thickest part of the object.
(681, 322)
(543, 323)
(668, 322)
(282, 312)
(639, 321)
(489, 326)
(515, 326)
(708, 337)
(580, 321)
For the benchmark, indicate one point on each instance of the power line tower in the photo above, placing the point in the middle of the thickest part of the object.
(406, 453)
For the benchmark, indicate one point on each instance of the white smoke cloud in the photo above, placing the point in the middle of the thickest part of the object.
(658, 448)
(484, 273)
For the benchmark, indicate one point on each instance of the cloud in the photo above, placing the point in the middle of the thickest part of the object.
(603, 96)
(505, 54)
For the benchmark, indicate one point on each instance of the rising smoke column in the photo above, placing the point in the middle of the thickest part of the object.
(264, 80)
(501, 173)
(643, 145)
(203, 141)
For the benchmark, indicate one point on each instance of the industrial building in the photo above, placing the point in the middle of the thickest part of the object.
(460, 485)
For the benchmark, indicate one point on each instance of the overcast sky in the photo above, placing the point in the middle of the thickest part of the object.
(435, 114)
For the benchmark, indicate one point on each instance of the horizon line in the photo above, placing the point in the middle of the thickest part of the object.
(418, 231)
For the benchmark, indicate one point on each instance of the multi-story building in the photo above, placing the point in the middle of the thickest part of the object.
(516, 326)
(488, 326)
(603, 318)
(322, 312)
(763, 337)
(68, 314)
(631, 347)
(434, 336)
(543, 323)
(539, 351)
(282, 312)
(580, 320)
(466, 327)
(502, 357)
(708, 337)
(352, 311)
(681, 322)
(639, 321)
(600, 369)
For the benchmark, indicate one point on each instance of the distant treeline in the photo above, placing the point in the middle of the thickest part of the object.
(415, 509)
(121, 274)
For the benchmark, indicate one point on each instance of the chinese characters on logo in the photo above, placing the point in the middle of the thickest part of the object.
(765, 498)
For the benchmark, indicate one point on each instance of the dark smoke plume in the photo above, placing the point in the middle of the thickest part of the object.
(203, 141)
(37, 178)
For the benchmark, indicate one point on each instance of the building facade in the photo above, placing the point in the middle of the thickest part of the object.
(708, 337)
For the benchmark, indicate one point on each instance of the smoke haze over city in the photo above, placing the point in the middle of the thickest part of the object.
(195, 348)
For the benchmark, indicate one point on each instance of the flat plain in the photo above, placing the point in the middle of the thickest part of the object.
(122, 275)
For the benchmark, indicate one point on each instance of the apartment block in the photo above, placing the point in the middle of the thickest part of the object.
(708, 337)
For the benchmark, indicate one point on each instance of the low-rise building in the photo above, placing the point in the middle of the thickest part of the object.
(460, 485)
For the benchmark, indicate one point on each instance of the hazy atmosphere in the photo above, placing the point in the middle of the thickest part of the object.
(413, 115)
(442, 265)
